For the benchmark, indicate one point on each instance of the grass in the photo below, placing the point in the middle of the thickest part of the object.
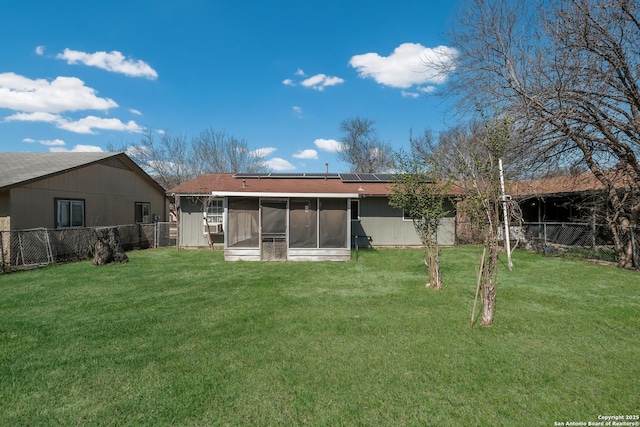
(183, 338)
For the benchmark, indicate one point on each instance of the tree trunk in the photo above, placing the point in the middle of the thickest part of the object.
(489, 282)
(432, 259)
(108, 248)
(623, 244)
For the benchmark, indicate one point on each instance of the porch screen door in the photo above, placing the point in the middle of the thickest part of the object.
(274, 230)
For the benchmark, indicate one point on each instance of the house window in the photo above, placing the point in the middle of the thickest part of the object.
(406, 216)
(213, 217)
(215, 211)
(355, 210)
(69, 213)
(142, 212)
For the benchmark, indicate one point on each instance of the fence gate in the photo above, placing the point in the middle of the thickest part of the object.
(274, 230)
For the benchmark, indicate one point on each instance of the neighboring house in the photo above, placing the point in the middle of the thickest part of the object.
(562, 198)
(306, 216)
(67, 190)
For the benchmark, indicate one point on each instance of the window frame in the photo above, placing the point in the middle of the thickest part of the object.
(209, 222)
(211, 216)
(58, 202)
(141, 220)
(355, 202)
(407, 218)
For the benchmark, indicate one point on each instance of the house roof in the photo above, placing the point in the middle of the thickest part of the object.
(228, 183)
(567, 184)
(20, 168)
(286, 184)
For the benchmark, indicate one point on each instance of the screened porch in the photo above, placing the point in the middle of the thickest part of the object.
(287, 228)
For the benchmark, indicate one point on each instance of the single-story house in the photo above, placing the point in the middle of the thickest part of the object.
(294, 216)
(68, 190)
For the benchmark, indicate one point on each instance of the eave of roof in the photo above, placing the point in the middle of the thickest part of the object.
(17, 169)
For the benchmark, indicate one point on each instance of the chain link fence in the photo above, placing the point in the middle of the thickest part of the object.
(582, 240)
(24, 249)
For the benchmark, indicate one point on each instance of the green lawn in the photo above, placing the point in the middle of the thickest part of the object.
(183, 338)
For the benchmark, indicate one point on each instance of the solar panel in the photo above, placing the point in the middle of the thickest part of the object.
(322, 175)
(366, 177)
(285, 175)
(250, 175)
(349, 177)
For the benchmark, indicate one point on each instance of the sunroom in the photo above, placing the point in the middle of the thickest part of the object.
(280, 227)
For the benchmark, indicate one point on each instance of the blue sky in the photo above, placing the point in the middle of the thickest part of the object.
(280, 74)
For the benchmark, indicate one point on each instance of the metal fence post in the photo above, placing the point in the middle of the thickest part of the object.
(48, 248)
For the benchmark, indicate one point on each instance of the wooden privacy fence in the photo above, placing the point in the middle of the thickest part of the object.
(23, 249)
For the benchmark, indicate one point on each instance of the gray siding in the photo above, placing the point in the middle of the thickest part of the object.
(382, 223)
(386, 227)
(191, 232)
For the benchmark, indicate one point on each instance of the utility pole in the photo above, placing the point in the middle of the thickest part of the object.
(504, 199)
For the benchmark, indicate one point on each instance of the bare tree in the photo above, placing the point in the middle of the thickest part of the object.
(167, 157)
(475, 156)
(172, 159)
(567, 72)
(361, 147)
(216, 151)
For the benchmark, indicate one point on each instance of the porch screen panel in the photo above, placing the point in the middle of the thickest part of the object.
(274, 217)
(244, 231)
(333, 223)
(303, 223)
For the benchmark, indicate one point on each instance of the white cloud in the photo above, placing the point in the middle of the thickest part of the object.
(262, 152)
(306, 154)
(320, 81)
(297, 110)
(113, 61)
(40, 50)
(20, 93)
(279, 164)
(410, 94)
(134, 111)
(86, 125)
(90, 123)
(408, 65)
(330, 145)
(52, 142)
(317, 82)
(46, 142)
(34, 117)
(78, 149)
